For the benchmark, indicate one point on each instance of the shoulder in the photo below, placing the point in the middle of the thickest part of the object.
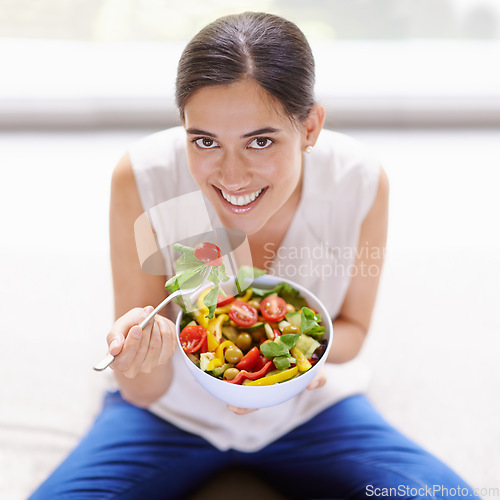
(347, 169)
(157, 149)
(124, 191)
(343, 155)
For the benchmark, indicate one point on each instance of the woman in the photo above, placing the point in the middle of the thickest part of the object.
(313, 205)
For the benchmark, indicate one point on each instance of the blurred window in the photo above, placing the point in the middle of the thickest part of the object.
(171, 20)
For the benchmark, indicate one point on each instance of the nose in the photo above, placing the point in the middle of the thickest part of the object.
(234, 171)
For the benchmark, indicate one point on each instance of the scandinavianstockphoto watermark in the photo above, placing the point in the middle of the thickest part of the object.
(431, 491)
(324, 261)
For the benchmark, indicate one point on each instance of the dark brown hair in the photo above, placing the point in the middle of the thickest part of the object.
(266, 48)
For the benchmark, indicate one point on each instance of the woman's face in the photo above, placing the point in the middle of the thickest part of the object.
(245, 154)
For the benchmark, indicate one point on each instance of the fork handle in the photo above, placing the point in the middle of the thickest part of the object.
(156, 310)
(104, 363)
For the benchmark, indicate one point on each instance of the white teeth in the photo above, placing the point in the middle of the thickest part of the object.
(241, 201)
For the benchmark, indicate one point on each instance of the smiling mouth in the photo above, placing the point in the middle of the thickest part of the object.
(241, 201)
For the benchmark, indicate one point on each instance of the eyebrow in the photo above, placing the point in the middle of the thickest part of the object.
(266, 130)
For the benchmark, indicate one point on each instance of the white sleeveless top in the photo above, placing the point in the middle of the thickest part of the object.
(339, 185)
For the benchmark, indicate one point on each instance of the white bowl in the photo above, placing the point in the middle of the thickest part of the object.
(261, 397)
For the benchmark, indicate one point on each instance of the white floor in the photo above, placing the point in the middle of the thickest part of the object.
(434, 344)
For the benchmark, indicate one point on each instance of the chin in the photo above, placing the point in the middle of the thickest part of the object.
(248, 224)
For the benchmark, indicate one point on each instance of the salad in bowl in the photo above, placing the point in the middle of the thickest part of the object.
(256, 348)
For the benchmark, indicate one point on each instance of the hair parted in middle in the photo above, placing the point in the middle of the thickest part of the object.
(253, 45)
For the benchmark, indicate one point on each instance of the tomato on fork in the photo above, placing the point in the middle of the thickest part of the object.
(208, 253)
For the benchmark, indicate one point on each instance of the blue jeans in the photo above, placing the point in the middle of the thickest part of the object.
(347, 451)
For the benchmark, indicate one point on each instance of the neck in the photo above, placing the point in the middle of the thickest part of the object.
(265, 242)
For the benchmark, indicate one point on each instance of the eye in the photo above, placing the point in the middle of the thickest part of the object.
(206, 143)
(260, 143)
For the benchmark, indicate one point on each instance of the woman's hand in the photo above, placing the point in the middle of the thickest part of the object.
(141, 351)
(318, 381)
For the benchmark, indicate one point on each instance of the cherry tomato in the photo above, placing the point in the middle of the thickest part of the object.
(204, 346)
(208, 253)
(192, 338)
(223, 301)
(273, 308)
(243, 314)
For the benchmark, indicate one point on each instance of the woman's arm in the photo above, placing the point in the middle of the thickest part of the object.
(353, 321)
(141, 367)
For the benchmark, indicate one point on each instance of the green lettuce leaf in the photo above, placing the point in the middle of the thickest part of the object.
(187, 260)
(292, 296)
(289, 339)
(218, 275)
(245, 276)
(190, 273)
(309, 323)
(210, 301)
(272, 350)
(282, 362)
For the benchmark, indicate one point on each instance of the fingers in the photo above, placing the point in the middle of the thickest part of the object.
(318, 381)
(153, 349)
(141, 351)
(116, 345)
(116, 337)
(168, 339)
(240, 411)
(135, 349)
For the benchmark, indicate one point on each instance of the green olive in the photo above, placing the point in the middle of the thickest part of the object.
(233, 354)
(290, 308)
(254, 303)
(244, 341)
(257, 334)
(290, 329)
(230, 373)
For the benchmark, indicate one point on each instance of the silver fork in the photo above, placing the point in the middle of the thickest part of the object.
(192, 292)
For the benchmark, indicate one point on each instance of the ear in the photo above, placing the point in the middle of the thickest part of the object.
(313, 125)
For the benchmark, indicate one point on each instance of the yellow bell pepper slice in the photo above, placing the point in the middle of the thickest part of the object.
(276, 378)
(215, 328)
(302, 362)
(212, 342)
(223, 309)
(201, 297)
(214, 363)
(201, 317)
(247, 295)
